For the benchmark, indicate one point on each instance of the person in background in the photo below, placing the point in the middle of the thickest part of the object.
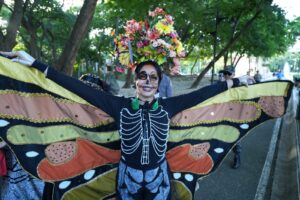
(257, 77)
(3, 168)
(111, 81)
(279, 75)
(17, 184)
(221, 77)
(228, 74)
(165, 87)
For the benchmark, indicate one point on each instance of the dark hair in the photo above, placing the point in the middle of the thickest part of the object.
(149, 62)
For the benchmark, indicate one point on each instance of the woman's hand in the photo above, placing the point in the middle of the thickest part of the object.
(2, 144)
(20, 57)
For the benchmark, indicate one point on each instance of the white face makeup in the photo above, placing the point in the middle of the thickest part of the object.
(147, 83)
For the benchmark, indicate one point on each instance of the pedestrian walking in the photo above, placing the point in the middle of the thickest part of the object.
(228, 74)
(165, 86)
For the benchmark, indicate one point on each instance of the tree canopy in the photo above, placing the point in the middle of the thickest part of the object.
(81, 36)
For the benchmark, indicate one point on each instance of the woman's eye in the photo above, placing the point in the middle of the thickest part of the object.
(153, 77)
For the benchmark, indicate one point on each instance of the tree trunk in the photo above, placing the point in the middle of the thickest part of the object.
(238, 60)
(226, 48)
(8, 41)
(196, 60)
(128, 80)
(1, 4)
(67, 59)
(31, 28)
(225, 58)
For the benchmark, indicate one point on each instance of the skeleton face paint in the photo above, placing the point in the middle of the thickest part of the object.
(147, 83)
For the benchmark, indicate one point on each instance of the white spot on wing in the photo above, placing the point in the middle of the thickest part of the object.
(64, 185)
(3, 123)
(189, 177)
(31, 154)
(177, 175)
(89, 174)
(244, 126)
(219, 150)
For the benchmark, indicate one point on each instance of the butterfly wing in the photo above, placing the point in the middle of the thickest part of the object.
(56, 135)
(201, 136)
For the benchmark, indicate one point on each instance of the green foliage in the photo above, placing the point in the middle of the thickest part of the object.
(4, 14)
(294, 30)
(199, 23)
(292, 58)
(267, 35)
(47, 27)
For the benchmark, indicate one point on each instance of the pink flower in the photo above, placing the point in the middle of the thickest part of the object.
(120, 69)
(153, 35)
(125, 41)
(181, 54)
(169, 19)
(151, 14)
(146, 25)
(173, 35)
(159, 11)
(139, 44)
(132, 26)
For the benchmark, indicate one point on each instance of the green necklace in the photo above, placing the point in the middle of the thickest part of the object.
(135, 104)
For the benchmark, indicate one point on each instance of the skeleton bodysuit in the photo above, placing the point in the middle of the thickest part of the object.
(143, 170)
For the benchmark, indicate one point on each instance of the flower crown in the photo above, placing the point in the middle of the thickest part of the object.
(153, 39)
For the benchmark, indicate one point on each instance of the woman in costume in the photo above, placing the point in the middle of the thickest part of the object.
(143, 123)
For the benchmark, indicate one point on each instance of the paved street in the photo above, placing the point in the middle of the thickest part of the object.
(230, 184)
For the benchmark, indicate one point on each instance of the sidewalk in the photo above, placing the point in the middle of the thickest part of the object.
(284, 182)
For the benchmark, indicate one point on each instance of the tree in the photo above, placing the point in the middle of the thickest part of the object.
(237, 28)
(36, 33)
(67, 59)
(268, 33)
(45, 30)
(294, 30)
(253, 11)
(8, 37)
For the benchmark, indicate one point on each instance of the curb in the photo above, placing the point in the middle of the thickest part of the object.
(265, 175)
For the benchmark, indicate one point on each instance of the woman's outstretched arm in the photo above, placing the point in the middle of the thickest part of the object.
(108, 103)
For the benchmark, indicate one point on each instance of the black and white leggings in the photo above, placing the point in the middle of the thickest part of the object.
(136, 184)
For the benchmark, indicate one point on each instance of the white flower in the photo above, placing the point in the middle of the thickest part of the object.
(155, 44)
(161, 41)
(172, 54)
(167, 45)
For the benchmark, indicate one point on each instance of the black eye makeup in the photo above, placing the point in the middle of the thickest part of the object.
(144, 76)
